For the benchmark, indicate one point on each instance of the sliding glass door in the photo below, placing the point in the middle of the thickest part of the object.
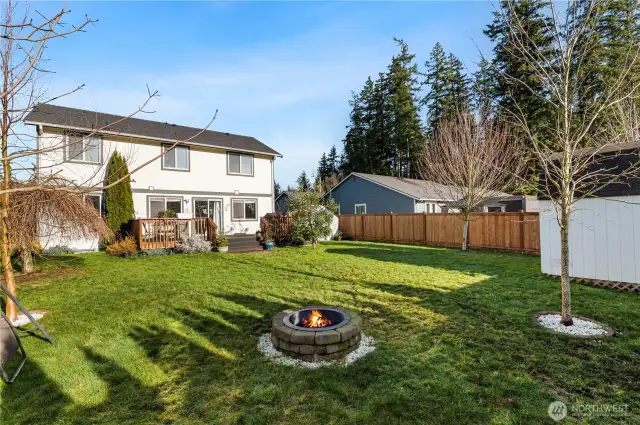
(211, 208)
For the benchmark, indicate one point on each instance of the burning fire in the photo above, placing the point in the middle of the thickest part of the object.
(316, 320)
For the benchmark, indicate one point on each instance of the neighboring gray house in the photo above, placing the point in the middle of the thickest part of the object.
(361, 193)
(282, 200)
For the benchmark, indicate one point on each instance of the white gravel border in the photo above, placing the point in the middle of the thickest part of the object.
(265, 346)
(22, 319)
(580, 327)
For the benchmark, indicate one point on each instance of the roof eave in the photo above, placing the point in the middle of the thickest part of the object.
(159, 139)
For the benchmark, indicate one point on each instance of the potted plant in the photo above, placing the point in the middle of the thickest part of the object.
(222, 243)
(337, 236)
(267, 239)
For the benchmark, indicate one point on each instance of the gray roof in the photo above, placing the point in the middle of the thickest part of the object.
(613, 148)
(292, 194)
(414, 188)
(80, 119)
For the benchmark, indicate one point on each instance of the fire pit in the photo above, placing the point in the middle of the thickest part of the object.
(316, 333)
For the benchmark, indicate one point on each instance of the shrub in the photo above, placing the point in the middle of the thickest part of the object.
(122, 247)
(58, 250)
(222, 240)
(118, 198)
(156, 252)
(311, 216)
(167, 214)
(192, 245)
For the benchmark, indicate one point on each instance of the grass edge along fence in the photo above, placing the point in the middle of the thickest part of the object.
(496, 230)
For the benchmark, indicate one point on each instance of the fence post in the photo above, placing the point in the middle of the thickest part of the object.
(522, 231)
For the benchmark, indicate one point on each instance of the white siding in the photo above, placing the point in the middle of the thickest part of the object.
(206, 178)
(604, 239)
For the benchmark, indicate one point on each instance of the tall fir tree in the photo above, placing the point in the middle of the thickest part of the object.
(303, 182)
(406, 138)
(323, 168)
(458, 88)
(511, 20)
(436, 79)
(119, 197)
(483, 90)
(354, 142)
(333, 161)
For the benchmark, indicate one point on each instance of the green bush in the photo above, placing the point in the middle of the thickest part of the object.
(58, 250)
(119, 198)
(311, 216)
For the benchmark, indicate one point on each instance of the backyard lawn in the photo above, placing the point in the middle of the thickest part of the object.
(173, 340)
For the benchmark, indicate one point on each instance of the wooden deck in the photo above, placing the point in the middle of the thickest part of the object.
(151, 233)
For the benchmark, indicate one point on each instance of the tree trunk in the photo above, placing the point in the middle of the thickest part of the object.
(27, 261)
(564, 265)
(7, 268)
(465, 232)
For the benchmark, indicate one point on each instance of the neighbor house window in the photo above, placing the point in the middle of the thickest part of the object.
(164, 206)
(176, 158)
(244, 209)
(84, 148)
(361, 208)
(95, 200)
(240, 164)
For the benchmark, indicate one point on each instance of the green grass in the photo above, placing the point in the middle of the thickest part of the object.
(173, 340)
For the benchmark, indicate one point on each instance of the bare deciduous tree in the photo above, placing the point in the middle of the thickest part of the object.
(584, 136)
(28, 188)
(473, 161)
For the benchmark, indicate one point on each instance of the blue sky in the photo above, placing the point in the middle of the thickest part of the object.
(279, 71)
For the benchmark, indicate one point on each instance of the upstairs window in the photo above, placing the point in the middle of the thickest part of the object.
(240, 164)
(176, 158)
(84, 149)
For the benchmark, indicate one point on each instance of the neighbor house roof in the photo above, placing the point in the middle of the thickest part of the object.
(80, 119)
(417, 189)
(291, 194)
(600, 150)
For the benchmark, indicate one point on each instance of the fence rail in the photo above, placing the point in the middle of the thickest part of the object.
(501, 231)
(152, 233)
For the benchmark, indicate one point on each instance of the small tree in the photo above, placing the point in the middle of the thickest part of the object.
(119, 198)
(472, 161)
(569, 171)
(312, 216)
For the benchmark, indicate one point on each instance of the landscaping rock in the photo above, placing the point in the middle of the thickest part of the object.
(282, 332)
(302, 337)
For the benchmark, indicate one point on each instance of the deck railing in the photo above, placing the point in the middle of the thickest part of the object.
(152, 233)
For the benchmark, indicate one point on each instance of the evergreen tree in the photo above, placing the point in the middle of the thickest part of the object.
(118, 198)
(458, 88)
(277, 190)
(333, 161)
(323, 168)
(354, 149)
(303, 182)
(483, 89)
(528, 17)
(437, 80)
(379, 149)
(405, 128)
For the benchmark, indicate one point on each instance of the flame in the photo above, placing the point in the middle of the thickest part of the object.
(316, 320)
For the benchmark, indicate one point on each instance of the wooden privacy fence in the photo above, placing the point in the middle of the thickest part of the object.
(152, 233)
(502, 231)
(278, 226)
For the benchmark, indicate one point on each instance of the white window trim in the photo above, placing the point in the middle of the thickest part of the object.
(244, 202)
(175, 153)
(253, 164)
(84, 140)
(99, 195)
(355, 208)
(173, 198)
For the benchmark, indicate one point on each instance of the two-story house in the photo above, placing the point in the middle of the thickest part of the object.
(224, 176)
